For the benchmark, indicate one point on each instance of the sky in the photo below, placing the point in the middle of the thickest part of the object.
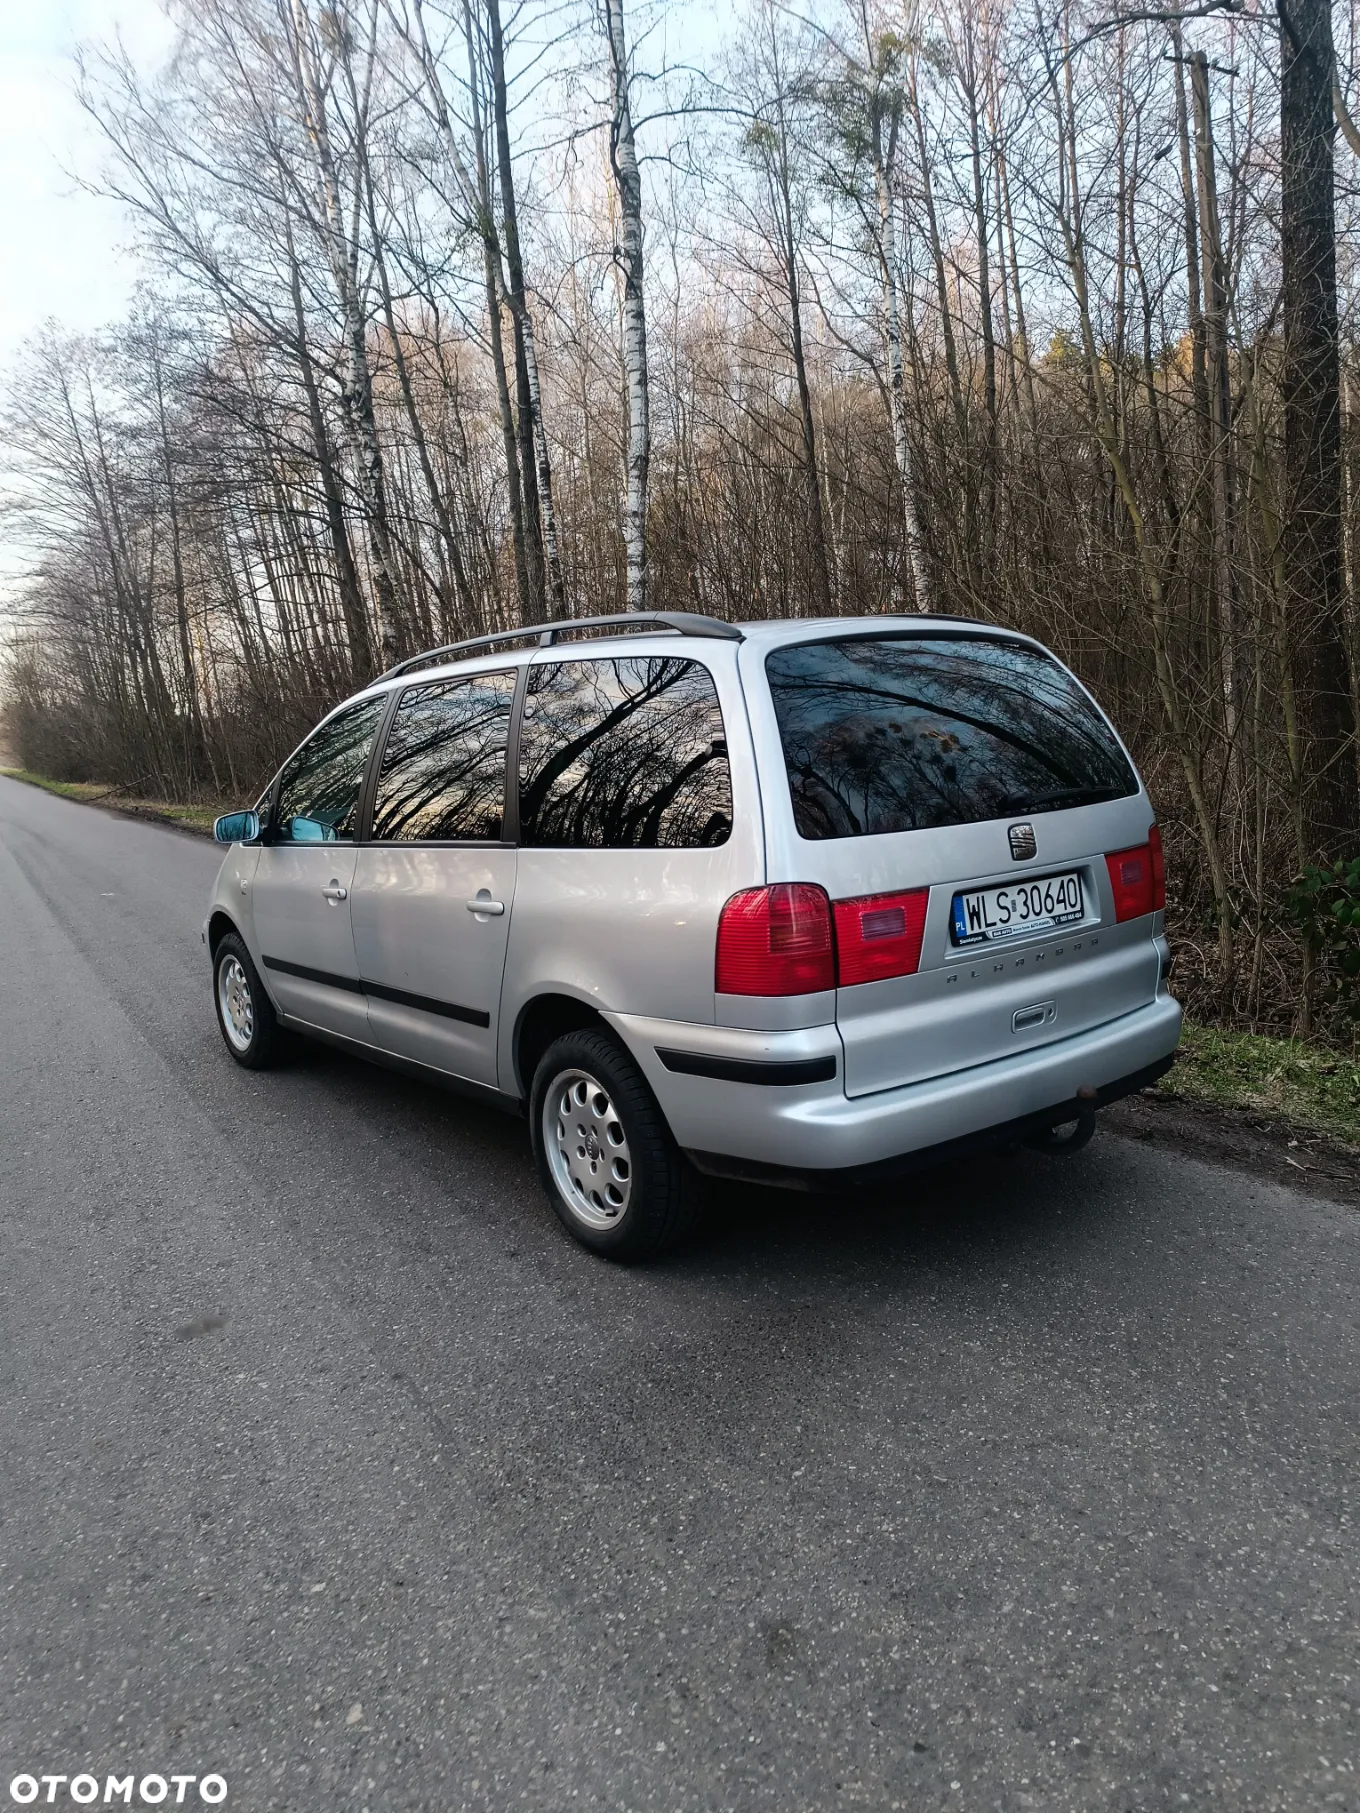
(63, 253)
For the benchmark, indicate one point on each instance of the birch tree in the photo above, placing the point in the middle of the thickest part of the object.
(627, 180)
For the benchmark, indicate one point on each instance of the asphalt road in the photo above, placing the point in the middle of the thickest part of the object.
(1033, 1486)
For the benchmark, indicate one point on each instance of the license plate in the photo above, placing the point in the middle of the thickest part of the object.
(988, 914)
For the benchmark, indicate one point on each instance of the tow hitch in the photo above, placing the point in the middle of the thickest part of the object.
(1070, 1129)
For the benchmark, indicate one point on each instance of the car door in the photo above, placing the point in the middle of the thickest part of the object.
(301, 889)
(628, 843)
(435, 880)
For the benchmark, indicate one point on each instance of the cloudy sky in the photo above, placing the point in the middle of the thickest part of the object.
(62, 253)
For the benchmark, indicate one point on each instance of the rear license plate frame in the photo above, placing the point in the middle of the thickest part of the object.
(997, 919)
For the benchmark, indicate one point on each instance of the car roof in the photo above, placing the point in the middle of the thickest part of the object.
(763, 633)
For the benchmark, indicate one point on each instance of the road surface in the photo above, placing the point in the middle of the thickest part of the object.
(331, 1466)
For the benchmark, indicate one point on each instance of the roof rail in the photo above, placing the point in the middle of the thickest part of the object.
(684, 623)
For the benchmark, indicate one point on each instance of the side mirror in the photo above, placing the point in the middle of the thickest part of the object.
(237, 828)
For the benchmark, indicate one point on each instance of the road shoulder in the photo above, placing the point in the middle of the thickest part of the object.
(196, 820)
(1241, 1139)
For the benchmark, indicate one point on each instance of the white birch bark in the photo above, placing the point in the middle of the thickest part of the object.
(897, 396)
(623, 163)
(552, 553)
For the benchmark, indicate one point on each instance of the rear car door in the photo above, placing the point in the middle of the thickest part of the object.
(628, 839)
(435, 882)
(301, 888)
(957, 795)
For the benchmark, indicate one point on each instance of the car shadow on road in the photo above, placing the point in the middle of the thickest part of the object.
(994, 1203)
(978, 1213)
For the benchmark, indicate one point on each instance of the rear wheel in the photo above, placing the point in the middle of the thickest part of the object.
(608, 1161)
(250, 1027)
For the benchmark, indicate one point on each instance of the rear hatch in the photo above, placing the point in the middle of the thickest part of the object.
(971, 815)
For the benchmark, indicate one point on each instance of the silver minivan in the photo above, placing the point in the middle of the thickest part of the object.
(809, 903)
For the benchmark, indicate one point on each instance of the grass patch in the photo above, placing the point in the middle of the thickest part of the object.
(1309, 1085)
(96, 793)
(85, 790)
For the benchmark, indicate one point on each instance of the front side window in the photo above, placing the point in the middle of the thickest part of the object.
(909, 732)
(442, 775)
(320, 784)
(621, 754)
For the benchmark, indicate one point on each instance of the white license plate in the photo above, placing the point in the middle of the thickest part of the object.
(1021, 907)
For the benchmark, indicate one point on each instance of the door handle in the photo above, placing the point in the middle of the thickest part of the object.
(336, 892)
(484, 904)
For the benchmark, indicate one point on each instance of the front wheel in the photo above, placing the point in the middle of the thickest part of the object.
(250, 1027)
(608, 1161)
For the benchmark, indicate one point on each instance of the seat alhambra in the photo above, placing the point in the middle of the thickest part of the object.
(807, 903)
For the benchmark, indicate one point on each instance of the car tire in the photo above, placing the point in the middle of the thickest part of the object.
(609, 1163)
(245, 1014)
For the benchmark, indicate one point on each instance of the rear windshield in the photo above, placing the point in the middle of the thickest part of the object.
(905, 733)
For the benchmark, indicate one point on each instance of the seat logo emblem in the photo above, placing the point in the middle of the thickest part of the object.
(1023, 845)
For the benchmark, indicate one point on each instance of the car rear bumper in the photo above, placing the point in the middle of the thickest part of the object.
(742, 1119)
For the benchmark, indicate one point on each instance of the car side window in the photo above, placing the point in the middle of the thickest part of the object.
(320, 784)
(628, 753)
(443, 767)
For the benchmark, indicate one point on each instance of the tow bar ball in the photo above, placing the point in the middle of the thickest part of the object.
(1073, 1131)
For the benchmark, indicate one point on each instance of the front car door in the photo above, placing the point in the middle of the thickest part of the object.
(301, 889)
(435, 881)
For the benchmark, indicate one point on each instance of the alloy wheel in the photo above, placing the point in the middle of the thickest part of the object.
(587, 1149)
(234, 999)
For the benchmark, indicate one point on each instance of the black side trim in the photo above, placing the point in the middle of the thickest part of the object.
(426, 1073)
(350, 985)
(855, 1177)
(750, 1070)
(471, 1016)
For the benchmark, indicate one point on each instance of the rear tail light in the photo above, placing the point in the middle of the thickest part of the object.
(879, 935)
(1138, 879)
(776, 941)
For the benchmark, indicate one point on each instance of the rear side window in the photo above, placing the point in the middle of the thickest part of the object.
(442, 775)
(906, 733)
(625, 754)
(319, 785)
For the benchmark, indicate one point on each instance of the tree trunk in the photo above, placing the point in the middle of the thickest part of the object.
(1220, 406)
(521, 331)
(493, 285)
(783, 198)
(1311, 386)
(984, 277)
(623, 164)
(346, 574)
(463, 599)
(195, 742)
(892, 322)
(357, 385)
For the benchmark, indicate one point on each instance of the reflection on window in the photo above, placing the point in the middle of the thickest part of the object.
(443, 768)
(897, 734)
(319, 787)
(623, 754)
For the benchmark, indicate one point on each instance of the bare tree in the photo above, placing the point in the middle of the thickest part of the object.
(627, 179)
(983, 307)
